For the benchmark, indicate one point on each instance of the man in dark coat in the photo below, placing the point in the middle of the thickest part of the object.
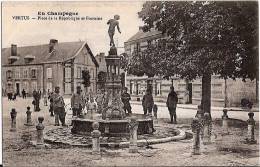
(77, 102)
(172, 101)
(58, 107)
(148, 102)
(125, 97)
(24, 94)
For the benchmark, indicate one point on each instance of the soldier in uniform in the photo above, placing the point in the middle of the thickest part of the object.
(148, 102)
(125, 97)
(171, 103)
(58, 107)
(77, 102)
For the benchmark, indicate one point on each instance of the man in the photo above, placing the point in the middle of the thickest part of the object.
(24, 94)
(111, 30)
(99, 100)
(148, 102)
(77, 102)
(51, 104)
(36, 101)
(58, 107)
(172, 101)
(125, 97)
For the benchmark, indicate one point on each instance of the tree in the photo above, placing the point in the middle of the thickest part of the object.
(86, 78)
(204, 39)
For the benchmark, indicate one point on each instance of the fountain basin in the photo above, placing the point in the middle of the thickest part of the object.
(115, 128)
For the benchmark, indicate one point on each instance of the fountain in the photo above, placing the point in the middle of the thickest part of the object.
(113, 120)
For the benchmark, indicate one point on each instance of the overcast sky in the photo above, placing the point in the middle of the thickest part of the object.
(34, 32)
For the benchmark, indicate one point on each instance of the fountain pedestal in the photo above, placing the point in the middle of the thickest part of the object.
(113, 120)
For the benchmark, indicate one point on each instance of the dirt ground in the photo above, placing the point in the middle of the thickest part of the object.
(17, 152)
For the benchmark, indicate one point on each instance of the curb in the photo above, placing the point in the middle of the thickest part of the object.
(142, 142)
(195, 107)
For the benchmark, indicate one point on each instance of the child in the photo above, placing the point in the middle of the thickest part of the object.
(111, 30)
(92, 107)
(155, 109)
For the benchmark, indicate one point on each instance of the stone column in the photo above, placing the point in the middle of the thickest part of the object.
(196, 129)
(207, 128)
(251, 129)
(133, 126)
(13, 114)
(95, 139)
(29, 117)
(225, 122)
(40, 128)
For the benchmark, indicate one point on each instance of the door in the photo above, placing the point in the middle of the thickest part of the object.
(17, 88)
(190, 92)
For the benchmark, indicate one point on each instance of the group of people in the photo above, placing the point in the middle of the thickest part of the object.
(149, 106)
(79, 102)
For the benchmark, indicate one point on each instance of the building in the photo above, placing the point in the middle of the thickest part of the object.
(101, 61)
(230, 92)
(43, 67)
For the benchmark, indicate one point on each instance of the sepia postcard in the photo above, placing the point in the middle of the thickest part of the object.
(130, 83)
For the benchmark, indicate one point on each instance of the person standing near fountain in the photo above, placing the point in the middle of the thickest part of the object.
(125, 97)
(77, 102)
(58, 106)
(172, 101)
(92, 107)
(148, 102)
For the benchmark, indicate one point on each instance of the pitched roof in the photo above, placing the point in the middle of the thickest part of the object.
(141, 35)
(63, 51)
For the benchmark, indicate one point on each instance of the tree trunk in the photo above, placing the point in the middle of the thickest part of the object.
(206, 93)
(226, 99)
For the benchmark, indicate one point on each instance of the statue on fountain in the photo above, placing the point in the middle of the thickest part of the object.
(113, 23)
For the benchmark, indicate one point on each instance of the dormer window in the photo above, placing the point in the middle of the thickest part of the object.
(29, 58)
(12, 59)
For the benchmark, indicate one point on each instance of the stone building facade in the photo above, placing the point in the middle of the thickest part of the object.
(43, 67)
(230, 91)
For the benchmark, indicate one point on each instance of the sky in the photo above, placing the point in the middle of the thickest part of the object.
(35, 32)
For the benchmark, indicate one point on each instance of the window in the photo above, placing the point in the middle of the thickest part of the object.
(131, 88)
(49, 86)
(33, 73)
(149, 43)
(34, 85)
(17, 74)
(78, 72)
(49, 72)
(25, 73)
(9, 74)
(137, 89)
(67, 88)
(138, 48)
(67, 72)
(92, 74)
(100, 59)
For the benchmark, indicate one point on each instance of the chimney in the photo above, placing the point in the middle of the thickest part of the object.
(13, 50)
(102, 54)
(52, 44)
(140, 28)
